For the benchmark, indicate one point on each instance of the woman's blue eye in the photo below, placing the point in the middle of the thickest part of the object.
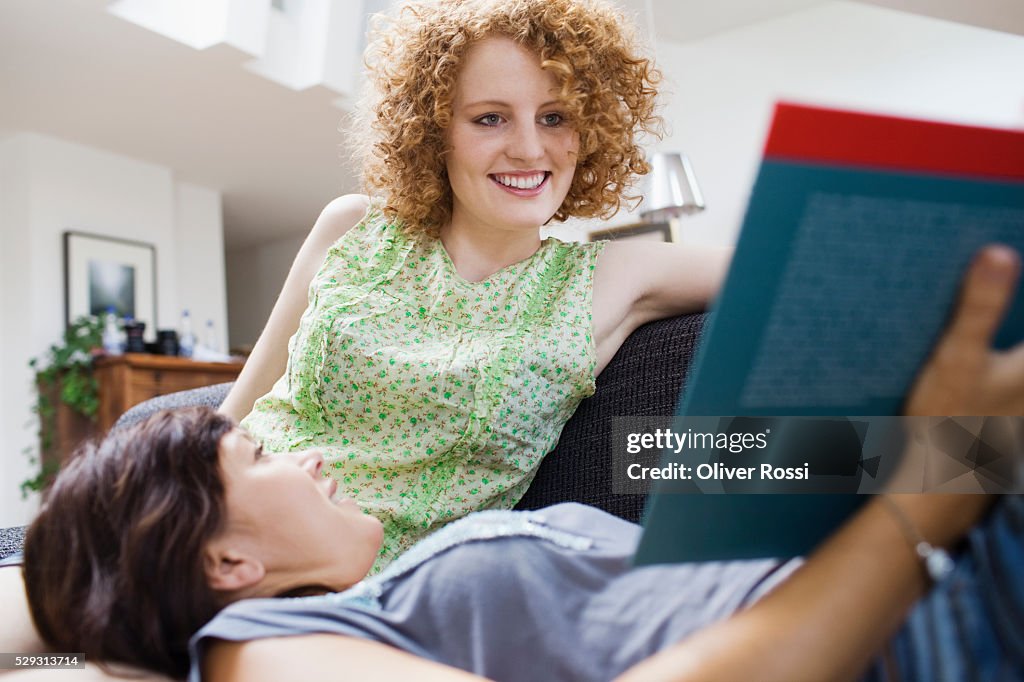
(552, 119)
(489, 120)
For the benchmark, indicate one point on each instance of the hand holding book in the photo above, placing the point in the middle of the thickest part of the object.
(861, 231)
(964, 376)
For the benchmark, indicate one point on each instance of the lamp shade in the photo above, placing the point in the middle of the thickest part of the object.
(670, 189)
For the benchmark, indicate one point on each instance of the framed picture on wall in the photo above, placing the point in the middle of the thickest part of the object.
(105, 272)
(651, 232)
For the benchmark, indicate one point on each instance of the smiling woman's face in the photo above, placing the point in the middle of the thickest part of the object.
(280, 509)
(512, 149)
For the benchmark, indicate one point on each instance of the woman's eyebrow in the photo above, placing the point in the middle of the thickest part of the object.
(500, 103)
(258, 449)
(486, 103)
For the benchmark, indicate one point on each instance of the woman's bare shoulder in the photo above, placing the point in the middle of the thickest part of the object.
(341, 215)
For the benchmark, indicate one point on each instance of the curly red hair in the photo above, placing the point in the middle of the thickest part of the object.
(607, 86)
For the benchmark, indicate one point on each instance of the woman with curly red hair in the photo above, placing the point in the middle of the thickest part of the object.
(438, 344)
(605, 89)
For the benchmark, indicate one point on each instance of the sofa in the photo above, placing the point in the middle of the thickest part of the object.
(643, 379)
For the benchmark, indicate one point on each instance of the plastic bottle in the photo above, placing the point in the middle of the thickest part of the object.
(111, 334)
(211, 340)
(186, 339)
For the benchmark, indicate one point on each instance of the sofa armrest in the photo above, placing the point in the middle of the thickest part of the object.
(210, 396)
(11, 540)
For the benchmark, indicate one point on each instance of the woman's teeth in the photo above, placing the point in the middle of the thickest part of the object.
(521, 181)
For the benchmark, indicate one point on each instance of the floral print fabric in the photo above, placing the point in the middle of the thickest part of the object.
(432, 396)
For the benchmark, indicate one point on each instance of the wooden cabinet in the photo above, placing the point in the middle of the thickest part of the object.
(124, 381)
(127, 380)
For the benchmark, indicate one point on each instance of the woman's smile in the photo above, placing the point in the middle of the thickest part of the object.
(524, 184)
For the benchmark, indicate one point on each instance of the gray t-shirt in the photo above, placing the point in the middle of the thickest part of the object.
(548, 595)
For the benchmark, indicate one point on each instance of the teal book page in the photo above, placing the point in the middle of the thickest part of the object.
(842, 281)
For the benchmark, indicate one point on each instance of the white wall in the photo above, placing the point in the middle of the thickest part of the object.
(254, 278)
(837, 54)
(199, 248)
(48, 186)
(15, 382)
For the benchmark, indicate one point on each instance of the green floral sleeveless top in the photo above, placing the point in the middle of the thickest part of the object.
(431, 396)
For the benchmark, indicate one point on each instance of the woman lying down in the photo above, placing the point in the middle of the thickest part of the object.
(181, 547)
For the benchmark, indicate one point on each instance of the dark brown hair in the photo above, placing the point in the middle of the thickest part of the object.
(114, 561)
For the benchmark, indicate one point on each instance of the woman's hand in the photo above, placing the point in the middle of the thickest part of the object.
(966, 378)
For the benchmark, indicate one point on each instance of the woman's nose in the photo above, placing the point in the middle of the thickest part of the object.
(312, 461)
(525, 143)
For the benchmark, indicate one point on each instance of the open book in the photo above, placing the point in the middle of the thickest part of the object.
(857, 235)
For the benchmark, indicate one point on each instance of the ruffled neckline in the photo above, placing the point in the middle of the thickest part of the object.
(439, 249)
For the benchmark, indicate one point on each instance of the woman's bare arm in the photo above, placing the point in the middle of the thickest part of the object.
(321, 657)
(637, 282)
(92, 672)
(17, 632)
(269, 357)
(832, 616)
(18, 635)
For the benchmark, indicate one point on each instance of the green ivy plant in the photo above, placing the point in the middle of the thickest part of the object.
(67, 364)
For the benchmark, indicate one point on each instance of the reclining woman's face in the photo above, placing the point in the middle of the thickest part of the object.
(284, 529)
